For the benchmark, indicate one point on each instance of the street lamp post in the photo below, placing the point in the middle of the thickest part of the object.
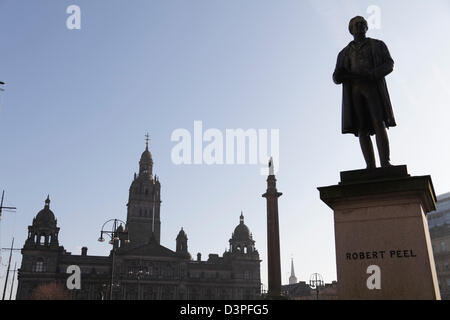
(113, 233)
(315, 282)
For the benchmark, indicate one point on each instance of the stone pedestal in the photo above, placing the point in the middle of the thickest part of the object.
(383, 247)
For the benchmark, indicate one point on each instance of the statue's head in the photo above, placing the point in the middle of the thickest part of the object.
(358, 25)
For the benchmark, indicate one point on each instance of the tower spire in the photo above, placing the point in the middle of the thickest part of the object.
(292, 268)
(292, 278)
(146, 162)
(147, 139)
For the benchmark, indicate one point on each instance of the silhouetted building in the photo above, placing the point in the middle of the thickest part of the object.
(439, 226)
(143, 268)
(302, 291)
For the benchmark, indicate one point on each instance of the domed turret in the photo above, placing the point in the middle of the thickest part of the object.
(146, 156)
(43, 231)
(242, 232)
(182, 247)
(146, 162)
(242, 240)
(181, 235)
(45, 217)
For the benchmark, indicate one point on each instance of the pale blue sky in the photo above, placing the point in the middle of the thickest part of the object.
(78, 103)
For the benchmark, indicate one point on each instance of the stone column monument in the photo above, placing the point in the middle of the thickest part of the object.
(383, 248)
(273, 236)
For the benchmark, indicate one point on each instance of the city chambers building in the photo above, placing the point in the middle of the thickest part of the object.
(138, 266)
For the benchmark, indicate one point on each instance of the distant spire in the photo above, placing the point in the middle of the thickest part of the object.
(292, 268)
(292, 278)
(47, 201)
(241, 218)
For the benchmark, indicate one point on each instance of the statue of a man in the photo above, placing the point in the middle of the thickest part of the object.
(366, 106)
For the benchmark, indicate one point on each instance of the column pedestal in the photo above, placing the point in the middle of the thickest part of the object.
(383, 247)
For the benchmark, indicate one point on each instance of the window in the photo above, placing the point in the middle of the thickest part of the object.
(194, 294)
(210, 294)
(167, 293)
(150, 271)
(39, 265)
(246, 275)
(247, 294)
(443, 247)
(181, 295)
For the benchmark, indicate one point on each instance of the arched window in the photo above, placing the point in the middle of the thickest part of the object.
(245, 249)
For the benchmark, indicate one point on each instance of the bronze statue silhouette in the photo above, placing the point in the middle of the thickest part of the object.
(366, 106)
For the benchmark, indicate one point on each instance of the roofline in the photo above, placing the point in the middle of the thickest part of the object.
(443, 196)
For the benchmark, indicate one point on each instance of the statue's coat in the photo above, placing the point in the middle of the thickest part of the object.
(383, 65)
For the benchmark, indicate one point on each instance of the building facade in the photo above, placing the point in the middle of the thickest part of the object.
(439, 226)
(138, 266)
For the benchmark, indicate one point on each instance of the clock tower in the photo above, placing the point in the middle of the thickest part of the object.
(143, 216)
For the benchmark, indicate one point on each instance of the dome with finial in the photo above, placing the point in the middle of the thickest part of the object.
(146, 156)
(45, 217)
(242, 232)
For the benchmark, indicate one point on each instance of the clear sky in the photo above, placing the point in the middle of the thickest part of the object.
(78, 103)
